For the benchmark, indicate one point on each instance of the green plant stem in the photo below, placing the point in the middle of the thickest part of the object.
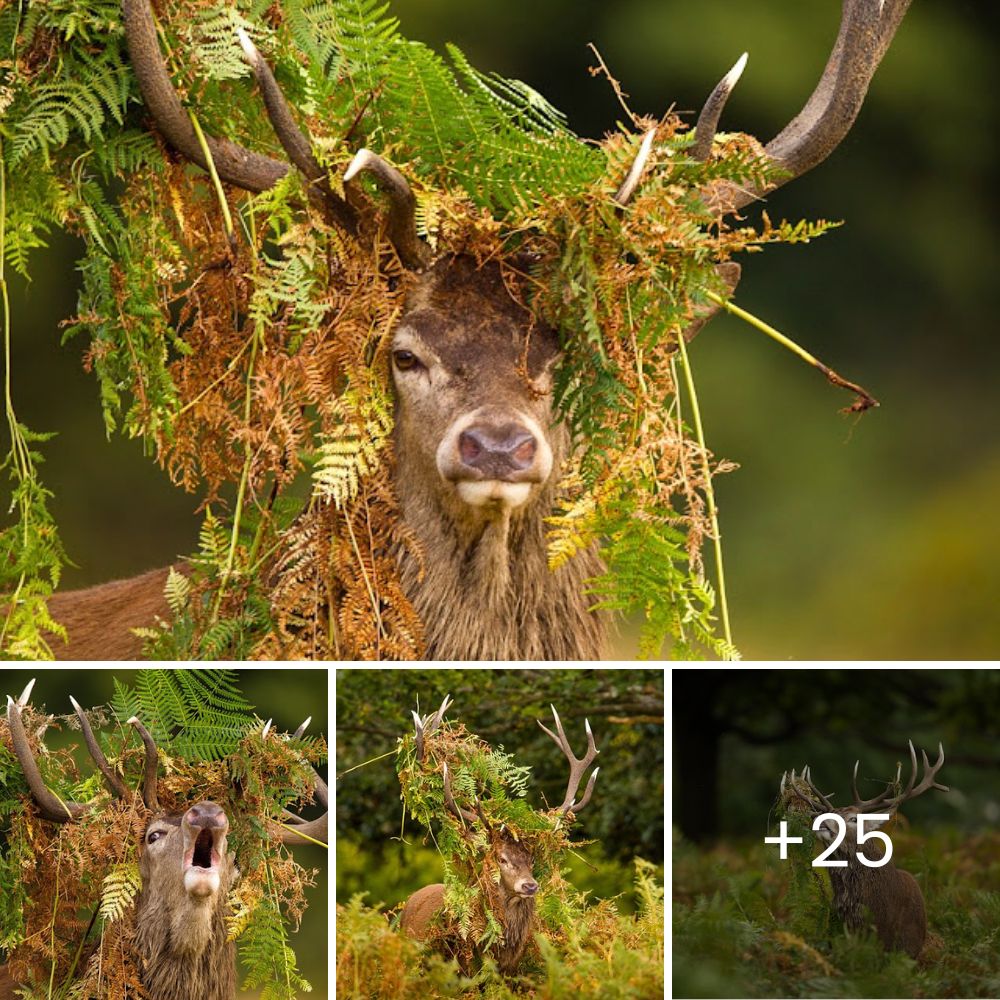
(865, 400)
(19, 455)
(227, 218)
(298, 833)
(713, 512)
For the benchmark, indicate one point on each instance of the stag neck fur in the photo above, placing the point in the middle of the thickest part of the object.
(487, 593)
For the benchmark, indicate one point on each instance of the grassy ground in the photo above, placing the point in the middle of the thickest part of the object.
(746, 924)
(601, 954)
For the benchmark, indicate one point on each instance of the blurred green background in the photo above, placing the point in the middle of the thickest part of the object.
(286, 695)
(389, 857)
(736, 732)
(843, 538)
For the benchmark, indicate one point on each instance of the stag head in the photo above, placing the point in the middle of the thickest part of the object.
(472, 374)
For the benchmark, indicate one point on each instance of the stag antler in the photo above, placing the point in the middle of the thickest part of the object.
(801, 786)
(867, 28)
(424, 726)
(253, 171)
(402, 228)
(577, 768)
(49, 804)
(311, 830)
(887, 802)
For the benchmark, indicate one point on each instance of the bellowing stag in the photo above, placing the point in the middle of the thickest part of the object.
(512, 895)
(182, 947)
(478, 450)
(885, 895)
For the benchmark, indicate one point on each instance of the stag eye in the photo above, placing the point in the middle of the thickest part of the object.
(405, 360)
(154, 835)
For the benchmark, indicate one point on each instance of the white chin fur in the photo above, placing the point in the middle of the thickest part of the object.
(493, 491)
(201, 881)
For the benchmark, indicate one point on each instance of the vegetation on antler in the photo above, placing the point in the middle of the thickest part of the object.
(57, 881)
(245, 361)
(495, 787)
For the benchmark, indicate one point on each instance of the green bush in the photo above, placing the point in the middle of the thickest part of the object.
(748, 925)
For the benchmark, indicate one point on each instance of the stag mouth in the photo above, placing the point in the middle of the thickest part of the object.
(202, 860)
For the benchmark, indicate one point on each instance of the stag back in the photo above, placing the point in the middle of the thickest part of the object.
(887, 896)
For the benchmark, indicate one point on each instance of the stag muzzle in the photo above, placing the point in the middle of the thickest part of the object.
(495, 457)
(526, 888)
(204, 827)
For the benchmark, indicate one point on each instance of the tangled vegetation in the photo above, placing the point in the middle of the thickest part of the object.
(746, 924)
(578, 950)
(67, 890)
(245, 340)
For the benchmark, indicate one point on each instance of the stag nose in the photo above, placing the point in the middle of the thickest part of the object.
(497, 452)
(529, 888)
(207, 816)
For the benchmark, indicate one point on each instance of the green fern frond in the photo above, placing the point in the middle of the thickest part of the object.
(120, 887)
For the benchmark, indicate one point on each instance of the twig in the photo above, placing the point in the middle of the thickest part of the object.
(865, 400)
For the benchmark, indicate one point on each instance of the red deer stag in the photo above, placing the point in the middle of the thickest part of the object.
(182, 948)
(514, 901)
(891, 896)
(478, 450)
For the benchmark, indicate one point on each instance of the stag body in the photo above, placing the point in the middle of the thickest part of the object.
(514, 905)
(887, 897)
(513, 902)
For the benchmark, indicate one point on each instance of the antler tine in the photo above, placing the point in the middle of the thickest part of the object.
(149, 781)
(711, 112)
(115, 783)
(402, 227)
(314, 829)
(577, 767)
(428, 724)
(293, 140)
(49, 804)
(26, 693)
(235, 164)
(464, 816)
(624, 194)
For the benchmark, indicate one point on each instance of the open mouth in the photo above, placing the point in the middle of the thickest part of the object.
(201, 863)
(203, 853)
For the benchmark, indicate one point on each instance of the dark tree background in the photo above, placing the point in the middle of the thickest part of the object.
(869, 539)
(625, 709)
(736, 731)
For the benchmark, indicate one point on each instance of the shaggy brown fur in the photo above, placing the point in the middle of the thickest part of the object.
(483, 588)
(99, 620)
(887, 897)
(180, 934)
(514, 911)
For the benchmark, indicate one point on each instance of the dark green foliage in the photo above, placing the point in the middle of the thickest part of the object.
(199, 714)
(181, 329)
(746, 924)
